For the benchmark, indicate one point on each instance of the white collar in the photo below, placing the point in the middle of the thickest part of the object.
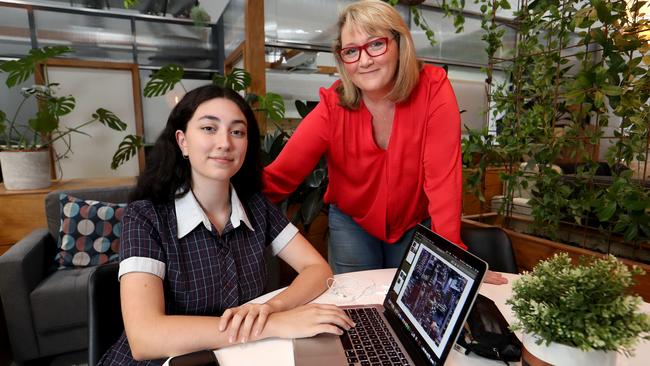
(189, 213)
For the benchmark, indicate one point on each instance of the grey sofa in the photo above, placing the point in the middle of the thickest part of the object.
(46, 310)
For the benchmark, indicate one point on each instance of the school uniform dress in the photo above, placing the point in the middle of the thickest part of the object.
(203, 272)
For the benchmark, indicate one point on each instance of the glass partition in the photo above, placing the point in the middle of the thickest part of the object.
(163, 43)
(234, 25)
(465, 48)
(97, 31)
(91, 37)
(14, 32)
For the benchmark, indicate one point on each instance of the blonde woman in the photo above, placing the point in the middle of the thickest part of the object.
(390, 131)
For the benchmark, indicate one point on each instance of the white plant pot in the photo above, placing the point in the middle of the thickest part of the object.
(560, 354)
(25, 169)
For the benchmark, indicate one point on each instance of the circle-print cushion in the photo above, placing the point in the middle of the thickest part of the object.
(89, 232)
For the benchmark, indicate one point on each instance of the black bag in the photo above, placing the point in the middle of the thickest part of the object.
(486, 333)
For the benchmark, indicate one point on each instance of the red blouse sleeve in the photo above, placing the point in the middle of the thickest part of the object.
(442, 161)
(301, 153)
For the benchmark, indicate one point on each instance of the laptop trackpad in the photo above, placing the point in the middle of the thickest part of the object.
(323, 349)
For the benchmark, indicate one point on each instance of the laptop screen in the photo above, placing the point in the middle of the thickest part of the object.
(433, 291)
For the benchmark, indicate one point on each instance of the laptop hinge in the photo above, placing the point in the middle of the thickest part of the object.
(414, 351)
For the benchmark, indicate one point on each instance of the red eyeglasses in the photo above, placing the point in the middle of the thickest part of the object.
(374, 48)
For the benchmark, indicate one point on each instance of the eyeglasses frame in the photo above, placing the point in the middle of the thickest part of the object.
(362, 48)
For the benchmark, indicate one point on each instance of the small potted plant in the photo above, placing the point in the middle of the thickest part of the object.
(578, 315)
(24, 147)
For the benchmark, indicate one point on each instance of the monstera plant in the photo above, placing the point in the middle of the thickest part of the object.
(35, 136)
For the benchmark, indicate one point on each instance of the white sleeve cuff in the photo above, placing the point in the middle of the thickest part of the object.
(142, 264)
(283, 238)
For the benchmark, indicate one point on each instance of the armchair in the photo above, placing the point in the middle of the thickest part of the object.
(46, 310)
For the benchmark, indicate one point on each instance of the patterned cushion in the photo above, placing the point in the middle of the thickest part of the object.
(89, 232)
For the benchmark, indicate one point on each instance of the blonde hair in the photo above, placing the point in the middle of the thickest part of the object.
(376, 17)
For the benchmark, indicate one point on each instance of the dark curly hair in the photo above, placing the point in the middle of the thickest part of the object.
(168, 175)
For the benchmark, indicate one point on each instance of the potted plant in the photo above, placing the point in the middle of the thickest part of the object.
(578, 315)
(25, 147)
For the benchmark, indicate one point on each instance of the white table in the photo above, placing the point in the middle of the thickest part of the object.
(279, 352)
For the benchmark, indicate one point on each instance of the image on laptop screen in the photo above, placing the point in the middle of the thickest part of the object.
(429, 294)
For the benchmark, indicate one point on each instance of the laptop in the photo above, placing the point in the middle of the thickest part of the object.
(424, 310)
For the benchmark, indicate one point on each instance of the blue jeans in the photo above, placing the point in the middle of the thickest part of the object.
(351, 248)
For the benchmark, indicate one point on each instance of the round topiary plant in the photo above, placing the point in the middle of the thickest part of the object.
(587, 306)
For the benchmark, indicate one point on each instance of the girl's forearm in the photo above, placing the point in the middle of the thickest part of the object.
(172, 335)
(310, 283)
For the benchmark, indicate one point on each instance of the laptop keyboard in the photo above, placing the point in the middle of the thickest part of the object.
(370, 342)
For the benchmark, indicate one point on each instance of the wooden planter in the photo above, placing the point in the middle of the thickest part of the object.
(529, 250)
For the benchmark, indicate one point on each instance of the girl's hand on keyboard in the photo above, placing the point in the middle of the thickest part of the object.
(308, 320)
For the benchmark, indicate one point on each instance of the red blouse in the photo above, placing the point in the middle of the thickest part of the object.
(386, 192)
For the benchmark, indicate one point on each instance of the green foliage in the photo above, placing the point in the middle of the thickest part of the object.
(44, 128)
(450, 8)
(129, 4)
(20, 70)
(127, 149)
(199, 16)
(584, 306)
(163, 80)
(109, 119)
(273, 105)
(238, 80)
(309, 195)
(576, 66)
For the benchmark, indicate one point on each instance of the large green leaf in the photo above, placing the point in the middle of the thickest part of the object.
(21, 69)
(277, 144)
(237, 80)
(109, 119)
(163, 80)
(61, 106)
(631, 233)
(44, 122)
(273, 105)
(127, 149)
(303, 108)
(607, 211)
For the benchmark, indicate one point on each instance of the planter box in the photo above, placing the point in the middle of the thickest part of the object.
(529, 249)
(490, 186)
